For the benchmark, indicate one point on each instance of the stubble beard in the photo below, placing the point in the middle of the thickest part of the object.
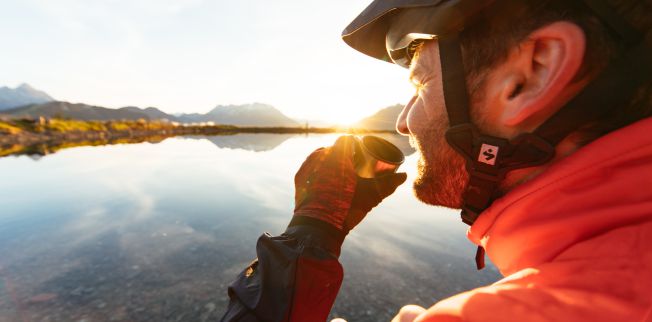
(441, 177)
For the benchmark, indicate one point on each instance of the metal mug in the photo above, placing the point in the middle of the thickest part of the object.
(375, 156)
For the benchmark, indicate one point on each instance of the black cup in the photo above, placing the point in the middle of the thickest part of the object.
(375, 156)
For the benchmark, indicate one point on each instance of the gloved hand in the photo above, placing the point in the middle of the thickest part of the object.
(328, 188)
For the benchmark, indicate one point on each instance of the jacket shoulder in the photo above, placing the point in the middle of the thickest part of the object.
(524, 296)
(498, 302)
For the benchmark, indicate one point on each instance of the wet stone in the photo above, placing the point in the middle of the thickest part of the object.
(210, 307)
(77, 292)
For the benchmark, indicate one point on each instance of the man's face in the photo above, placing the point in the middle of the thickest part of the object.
(441, 176)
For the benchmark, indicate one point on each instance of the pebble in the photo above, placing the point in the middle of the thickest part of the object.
(210, 307)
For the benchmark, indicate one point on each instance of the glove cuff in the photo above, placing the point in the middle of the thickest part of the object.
(315, 232)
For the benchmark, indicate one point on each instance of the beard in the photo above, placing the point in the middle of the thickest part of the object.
(441, 175)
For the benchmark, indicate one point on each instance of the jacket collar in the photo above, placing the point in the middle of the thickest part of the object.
(603, 185)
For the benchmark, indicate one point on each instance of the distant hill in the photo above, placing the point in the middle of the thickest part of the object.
(191, 118)
(152, 113)
(85, 112)
(384, 119)
(20, 96)
(25, 101)
(240, 115)
(255, 114)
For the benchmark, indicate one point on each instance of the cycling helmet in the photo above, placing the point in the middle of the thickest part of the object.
(390, 30)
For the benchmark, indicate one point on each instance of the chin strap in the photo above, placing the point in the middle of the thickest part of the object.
(489, 158)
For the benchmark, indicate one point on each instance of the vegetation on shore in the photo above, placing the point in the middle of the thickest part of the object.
(43, 125)
(44, 136)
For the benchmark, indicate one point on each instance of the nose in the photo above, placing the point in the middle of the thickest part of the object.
(401, 122)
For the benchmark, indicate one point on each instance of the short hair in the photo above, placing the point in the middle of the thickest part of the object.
(487, 44)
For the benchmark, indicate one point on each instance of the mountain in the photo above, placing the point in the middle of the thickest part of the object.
(152, 113)
(86, 112)
(20, 96)
(25, 101)
(191, 118)
(241, 115)
(384, 119)
(255, 114)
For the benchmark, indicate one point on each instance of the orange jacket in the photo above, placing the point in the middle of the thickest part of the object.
(574, 244)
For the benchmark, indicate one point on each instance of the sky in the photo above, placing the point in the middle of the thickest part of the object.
(186, 56)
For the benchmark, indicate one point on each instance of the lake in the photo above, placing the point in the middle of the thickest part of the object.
(157, 232)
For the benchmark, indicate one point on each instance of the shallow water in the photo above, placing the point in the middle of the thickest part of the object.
(156, 232)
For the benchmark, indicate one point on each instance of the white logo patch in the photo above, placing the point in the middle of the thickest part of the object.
(488, 154)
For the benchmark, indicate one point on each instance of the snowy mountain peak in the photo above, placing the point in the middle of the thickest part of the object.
(22, 95)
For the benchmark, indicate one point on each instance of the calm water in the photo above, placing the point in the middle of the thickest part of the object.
(156, 232)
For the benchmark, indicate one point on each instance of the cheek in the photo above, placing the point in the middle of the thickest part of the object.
(428, 111)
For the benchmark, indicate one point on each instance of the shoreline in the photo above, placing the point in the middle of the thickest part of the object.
(45, 136)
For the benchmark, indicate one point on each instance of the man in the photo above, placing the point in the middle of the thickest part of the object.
(533, 117)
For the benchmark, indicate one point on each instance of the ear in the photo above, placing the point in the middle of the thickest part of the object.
(538, 77)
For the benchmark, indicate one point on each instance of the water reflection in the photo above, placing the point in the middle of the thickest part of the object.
(258, 142)
(252, 142)
(36, 151)
(156, 232)
(264, 142)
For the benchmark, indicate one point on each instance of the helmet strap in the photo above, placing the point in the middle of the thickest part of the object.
(488, 158)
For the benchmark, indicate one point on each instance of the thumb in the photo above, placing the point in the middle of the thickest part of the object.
(387, 184)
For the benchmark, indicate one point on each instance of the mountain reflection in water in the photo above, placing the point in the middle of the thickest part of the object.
(157, 231)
